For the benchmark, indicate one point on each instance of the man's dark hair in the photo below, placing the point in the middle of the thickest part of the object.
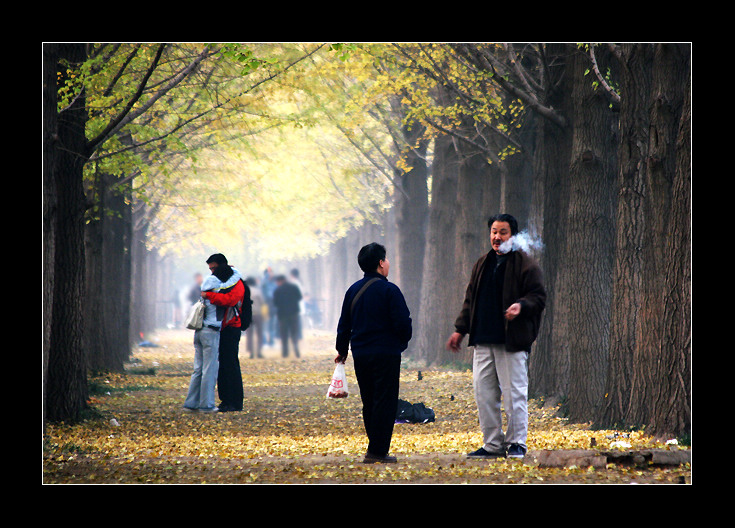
(504, 217)
(370, 256)
(219, 258)
(223, 271)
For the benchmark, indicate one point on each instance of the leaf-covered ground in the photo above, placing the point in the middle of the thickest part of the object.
(289, 432)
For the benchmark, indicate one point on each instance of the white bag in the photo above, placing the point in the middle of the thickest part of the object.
(196, 316)
(338, 387)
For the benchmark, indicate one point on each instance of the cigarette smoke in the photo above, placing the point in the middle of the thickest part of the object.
(525, 242)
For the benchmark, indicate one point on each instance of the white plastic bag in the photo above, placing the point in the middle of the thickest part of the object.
(338, 387)
(196, 316)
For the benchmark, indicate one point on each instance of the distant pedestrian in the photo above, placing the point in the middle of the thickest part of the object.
(254, 334)
(270, 328)
(286, 299)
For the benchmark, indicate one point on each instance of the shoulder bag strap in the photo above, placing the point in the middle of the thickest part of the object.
(359, 293)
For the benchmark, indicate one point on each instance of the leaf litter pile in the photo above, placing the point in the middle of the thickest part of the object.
(289, 432)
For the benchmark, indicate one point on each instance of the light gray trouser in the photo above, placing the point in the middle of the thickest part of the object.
(206, 365)
(497, 373)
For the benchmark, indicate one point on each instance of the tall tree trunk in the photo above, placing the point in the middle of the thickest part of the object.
(50, 99)
(138, 305)
(584, 283)
(440, 303)
(472, 237)
(547, 369)
(648, 381)
(411, 218)
(94, 343)
(672, 412)
(658, 400)
(66, 383)
(635, 88)
(117, 269)
(517, 195)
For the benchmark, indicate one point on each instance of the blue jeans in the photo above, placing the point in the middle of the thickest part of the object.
(206, 365)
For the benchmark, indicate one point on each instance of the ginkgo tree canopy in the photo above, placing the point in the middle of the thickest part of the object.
(286, 191)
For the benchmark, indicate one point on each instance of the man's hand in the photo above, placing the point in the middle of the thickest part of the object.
(340, 359)
(513, 311)
(454, 342)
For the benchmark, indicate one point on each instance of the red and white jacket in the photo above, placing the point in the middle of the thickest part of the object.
(228, 295)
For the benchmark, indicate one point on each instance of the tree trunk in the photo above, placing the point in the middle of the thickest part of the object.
(517, 195)
(117, 269)
(411, 218)
(547, 369)
(672, 412)
(630, 226)
(66, 383)
(472, 238)
(584, 283)
(659, 400)
(650, 353)
(440, 303)
(50, 57)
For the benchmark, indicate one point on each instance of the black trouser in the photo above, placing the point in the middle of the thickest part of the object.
(378, 376)
(229, 377)
(288, 326)
(254, 337)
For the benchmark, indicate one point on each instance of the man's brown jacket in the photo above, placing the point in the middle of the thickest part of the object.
(523, 284)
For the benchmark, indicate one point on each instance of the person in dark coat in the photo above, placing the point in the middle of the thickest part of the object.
(286, 299)
(376, 324)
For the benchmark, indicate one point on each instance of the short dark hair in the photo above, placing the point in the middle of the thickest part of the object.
(370, 256)
(219, 258)
(504, 217)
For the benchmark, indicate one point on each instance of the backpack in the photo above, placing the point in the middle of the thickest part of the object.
(414, 412)
(244, 309)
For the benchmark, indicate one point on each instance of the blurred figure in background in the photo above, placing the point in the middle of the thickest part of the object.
(286, 298)
(254, 334)
(267, 287)
(294, 278)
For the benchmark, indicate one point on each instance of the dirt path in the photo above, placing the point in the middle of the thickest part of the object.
(289, 433)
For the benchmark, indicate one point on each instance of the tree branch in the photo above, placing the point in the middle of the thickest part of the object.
(117, 123)
(613, 94)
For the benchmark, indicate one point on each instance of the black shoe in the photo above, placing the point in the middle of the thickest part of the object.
(228, 408)
(516, 451)
(373, 459)
(482, 453)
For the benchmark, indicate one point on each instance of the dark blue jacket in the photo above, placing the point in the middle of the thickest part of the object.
(380, 323)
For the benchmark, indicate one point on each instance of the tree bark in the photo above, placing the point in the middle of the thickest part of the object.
(660, 398)
(440, 302)
(411, 218)
(631, 222)
(648, 381)
(584, 284)
(50, 101)
(66, 382)
(554, 143)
